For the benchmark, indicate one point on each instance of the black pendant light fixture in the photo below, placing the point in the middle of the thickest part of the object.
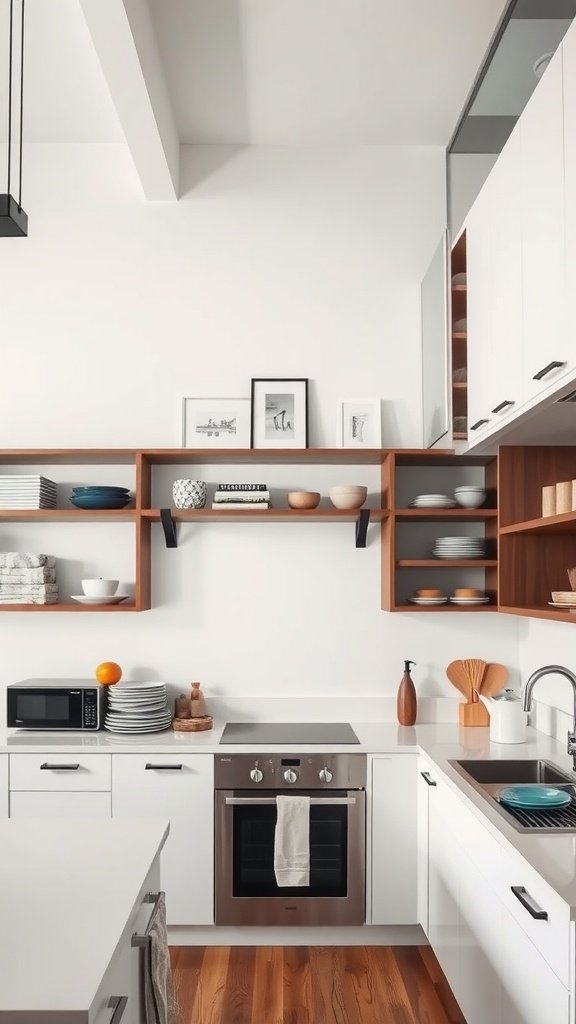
(13, 219)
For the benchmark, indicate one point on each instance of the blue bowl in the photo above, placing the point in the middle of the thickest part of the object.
(100, 489)
(100, 501)
(535, 798)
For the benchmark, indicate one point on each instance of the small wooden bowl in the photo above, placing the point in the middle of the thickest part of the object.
(430, 592)
(303, 499)
(193, 724)
(468, 592)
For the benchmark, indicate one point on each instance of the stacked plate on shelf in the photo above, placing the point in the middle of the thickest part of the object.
(433, 501)
(459, 547)
(98, 496)
(26, 491)
(137, 708)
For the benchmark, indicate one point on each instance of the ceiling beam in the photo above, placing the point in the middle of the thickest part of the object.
(125, 41)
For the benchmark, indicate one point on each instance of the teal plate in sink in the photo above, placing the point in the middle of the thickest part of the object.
(534, 798)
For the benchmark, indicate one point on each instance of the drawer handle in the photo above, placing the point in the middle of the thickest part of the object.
(503, 405)
(118, 1005)
(554, 365)
(479, 423)
(59, 767)
(163, 767)
(428, 779)
(528, 903)
(146, 940)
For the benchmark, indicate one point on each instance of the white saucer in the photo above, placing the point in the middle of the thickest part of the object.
(114, 599)
(470, 600)
(428, 600)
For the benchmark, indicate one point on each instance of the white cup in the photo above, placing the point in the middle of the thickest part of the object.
(100, 587)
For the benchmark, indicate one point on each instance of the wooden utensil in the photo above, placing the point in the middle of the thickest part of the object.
(462, 675)
(459, 678)
(494, 680)
(476, 669)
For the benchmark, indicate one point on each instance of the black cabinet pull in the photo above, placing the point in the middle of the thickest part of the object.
(478, 423)
(554, 365)
(528, 903)
(118, 1004)
(503, 405)
(428, 779)
(164, 767)
(59, 767)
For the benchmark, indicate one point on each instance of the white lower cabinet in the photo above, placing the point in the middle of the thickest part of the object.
(60, 805)
(425, 783)
(394, 834)
(443, 914)
(179, 787)
(4, 786)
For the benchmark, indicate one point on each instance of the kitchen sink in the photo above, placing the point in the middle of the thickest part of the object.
(489, 777)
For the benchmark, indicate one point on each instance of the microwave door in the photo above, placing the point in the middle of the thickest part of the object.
(49, 708)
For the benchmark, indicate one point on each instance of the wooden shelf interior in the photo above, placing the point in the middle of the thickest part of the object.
(531, 566)
(524, 471)
(459, 347)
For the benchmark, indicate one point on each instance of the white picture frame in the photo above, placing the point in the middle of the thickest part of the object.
(279, 414)
(215, 422)
(359, 423)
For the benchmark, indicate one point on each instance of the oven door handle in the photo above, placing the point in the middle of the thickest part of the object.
(235, 801)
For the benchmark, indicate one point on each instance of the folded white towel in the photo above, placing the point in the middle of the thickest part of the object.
(19, 575)
(292, 841)
(24, 589)
(31, 599)
(25, 560)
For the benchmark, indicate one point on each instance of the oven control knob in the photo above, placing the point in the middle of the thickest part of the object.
(325, 775)
(256, 775)
(290, 776)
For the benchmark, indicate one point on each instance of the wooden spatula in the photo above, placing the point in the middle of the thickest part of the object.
(494, 680)
(458, 676)
(475, 669)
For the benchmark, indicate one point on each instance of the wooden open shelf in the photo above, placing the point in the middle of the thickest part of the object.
(283, 515)
(70, 607)
(460, 335)
(445, 608)
(446, 563)
(67, 515)
(459, 288)
(425, 515)
(459, 346)
(540, 612)
(563, 525)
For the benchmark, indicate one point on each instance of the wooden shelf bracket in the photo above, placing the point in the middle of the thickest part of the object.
(169, 527)
(361, 528)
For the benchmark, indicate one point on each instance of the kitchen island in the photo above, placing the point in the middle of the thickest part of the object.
(72, 893)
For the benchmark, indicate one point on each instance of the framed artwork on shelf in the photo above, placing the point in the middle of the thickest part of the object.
(215, 422)
(279, 412)
(359, 423)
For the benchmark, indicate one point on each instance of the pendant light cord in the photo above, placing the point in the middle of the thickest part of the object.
(10, 93)
(21, 107)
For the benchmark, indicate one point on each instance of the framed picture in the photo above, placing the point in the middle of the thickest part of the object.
(359, 423)
(279, 413)
(215, 422)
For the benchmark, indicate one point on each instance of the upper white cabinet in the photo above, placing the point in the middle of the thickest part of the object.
(179, 787)
(394, 839)
(479, 314)
(568, 348)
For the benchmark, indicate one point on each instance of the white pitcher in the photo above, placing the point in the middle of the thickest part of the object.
(508, 721)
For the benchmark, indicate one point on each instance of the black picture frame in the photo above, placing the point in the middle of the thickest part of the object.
(302, 383)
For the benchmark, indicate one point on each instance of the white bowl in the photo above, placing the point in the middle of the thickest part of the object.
(100, 587)
(470, 497)
(348, 497)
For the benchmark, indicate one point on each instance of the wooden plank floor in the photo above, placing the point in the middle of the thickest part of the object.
(311, 985)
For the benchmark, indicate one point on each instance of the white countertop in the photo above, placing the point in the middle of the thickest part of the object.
(67, 889)
(552, 856)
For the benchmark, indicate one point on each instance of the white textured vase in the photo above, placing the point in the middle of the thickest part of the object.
(189, 493)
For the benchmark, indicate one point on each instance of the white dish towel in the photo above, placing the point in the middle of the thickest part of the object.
(292, 841)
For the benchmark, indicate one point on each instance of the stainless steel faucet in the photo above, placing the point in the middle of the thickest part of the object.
(561, 671)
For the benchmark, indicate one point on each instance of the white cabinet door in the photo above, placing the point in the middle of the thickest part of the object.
(479, 994)
(569, 70)
(548, 351)
(426, 781)
(394, 882)
(179, 787)
(479, 316)
(3, 786)
(60, 805)
(531, 993)
(443, 895)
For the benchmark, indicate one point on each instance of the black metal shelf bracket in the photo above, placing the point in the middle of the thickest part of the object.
(169, 527)
(362, 527)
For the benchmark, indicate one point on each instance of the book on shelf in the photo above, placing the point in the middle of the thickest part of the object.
(263, 505)
(225, 496)
(242, 487)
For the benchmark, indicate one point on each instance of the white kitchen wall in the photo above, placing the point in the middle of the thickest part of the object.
(276, 262)
(549, 643)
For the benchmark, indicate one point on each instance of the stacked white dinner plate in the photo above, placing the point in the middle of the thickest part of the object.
(465, 601)
(428, 600)
(433, 501)
(137, 708)
(459, 547)
(26, 491)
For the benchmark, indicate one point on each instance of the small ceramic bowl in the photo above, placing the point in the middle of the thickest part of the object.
(429, 592)
(468, 592)
(100, 587)
(303, 499)
(470, 497)
(348, 497)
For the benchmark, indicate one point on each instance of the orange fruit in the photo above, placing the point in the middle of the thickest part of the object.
(108, 672)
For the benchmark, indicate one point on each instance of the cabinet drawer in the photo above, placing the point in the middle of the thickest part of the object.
(60, 772)
(60, 805)
(503, 870)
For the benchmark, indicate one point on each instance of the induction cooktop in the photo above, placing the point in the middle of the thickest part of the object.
(288, 733)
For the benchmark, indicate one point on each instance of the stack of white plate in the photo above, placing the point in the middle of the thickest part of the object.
(459, 547)
(26, 491)
(428, 600)
(137, 708)
(433, 501)
(465, 601)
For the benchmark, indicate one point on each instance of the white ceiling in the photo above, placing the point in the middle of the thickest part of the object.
(269, 71)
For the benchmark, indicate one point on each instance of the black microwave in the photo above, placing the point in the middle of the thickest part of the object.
(55, 704)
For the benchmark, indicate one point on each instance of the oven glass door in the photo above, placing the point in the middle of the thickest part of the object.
(254, 824)
(49, 708)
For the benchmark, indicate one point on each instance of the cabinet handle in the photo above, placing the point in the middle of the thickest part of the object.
(479, 423)
(118, 1005)
(554, 365)
(59, 767)
(428, 779)
(528, 903)
(163, 767)
(503, 405)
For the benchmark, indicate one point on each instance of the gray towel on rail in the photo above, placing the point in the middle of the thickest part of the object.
(25, 560)
(159, 999)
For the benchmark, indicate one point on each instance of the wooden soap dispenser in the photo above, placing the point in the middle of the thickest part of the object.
(406, 703)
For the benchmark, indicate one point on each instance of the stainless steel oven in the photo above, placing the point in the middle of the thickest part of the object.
(246, 790)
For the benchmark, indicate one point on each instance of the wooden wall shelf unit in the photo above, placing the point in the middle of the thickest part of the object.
(459, 345)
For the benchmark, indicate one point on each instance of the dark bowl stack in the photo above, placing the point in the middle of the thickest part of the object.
(100, 497)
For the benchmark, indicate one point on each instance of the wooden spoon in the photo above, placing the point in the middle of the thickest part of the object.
(459, 678)
(494, 680)
(476, 669)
